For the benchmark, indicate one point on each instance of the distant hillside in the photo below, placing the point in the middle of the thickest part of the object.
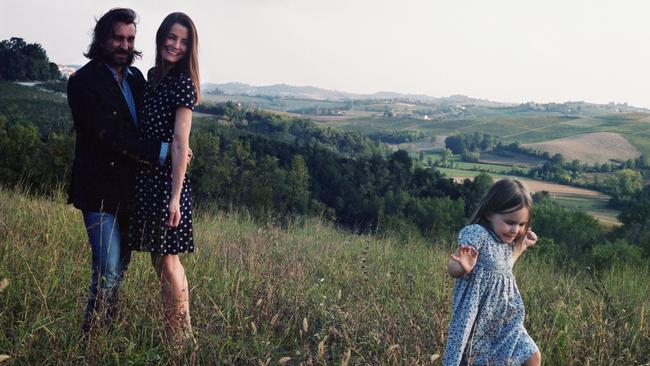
(314, 93)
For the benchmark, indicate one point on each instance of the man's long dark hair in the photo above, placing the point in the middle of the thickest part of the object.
(104, 30)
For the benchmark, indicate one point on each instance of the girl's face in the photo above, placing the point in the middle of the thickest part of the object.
(509, 226)
(175, 44)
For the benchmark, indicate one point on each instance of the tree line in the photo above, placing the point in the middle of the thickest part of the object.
(20, 60)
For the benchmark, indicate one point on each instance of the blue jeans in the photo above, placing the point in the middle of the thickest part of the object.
(109, 261)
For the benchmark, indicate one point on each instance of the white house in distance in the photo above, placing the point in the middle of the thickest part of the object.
(66, 70)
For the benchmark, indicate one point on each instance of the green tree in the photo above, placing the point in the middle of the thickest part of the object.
(298, 195)
(625, 183)
(22, 61)
(19, 148)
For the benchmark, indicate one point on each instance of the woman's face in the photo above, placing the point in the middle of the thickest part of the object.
(175, 44)
(510, 226)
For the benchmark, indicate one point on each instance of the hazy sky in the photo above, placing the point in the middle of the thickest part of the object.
(503, 50)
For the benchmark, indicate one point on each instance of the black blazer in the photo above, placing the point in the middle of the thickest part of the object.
(107, 151)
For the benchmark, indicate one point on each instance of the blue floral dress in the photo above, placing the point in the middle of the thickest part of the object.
(487, 321)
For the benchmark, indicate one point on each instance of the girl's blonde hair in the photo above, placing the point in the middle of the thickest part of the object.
(505, 196)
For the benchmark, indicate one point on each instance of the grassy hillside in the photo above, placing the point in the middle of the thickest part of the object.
(309, 292)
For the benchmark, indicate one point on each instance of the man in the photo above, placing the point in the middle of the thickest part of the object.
(105, 96)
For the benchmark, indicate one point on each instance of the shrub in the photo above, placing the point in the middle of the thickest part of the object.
(618, 252)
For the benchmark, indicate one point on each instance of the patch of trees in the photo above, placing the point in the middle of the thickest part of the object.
(36, 141)
(620, 180)
(237, 168)
(469, 146)
(621, 183)
(588, 244)
(41, 162)
(25, 61)
(635, 216)
(287, 129)
(397, 136)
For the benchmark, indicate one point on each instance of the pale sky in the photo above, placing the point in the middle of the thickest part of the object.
(502, 50)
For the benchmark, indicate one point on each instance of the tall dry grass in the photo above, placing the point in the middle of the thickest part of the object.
(303, 294)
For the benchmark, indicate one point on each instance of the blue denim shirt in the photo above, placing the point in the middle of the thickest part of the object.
(128, 97)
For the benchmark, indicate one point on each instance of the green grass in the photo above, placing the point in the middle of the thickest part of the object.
(306, 291)
(480, 167)
(11, 91)
(595, 206)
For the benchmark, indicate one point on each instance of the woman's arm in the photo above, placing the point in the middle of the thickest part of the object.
(529, 241)
(462, 261)
(180, 148)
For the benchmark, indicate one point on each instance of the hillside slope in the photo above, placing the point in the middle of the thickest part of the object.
(309, 292)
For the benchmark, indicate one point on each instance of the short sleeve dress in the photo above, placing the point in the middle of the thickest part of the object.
(487, 321)
(147, 229)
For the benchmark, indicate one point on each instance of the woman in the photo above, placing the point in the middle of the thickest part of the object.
(162, 222)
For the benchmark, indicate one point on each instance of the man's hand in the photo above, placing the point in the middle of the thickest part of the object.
(466, 257)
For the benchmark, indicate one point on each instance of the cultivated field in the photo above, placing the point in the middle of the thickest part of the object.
(600, 147)
(511, 158)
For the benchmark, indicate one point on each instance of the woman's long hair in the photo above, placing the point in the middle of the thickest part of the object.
(190, 62)
(104, 31)
(505, 196)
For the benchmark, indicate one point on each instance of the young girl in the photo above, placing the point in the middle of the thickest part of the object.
(487, 322)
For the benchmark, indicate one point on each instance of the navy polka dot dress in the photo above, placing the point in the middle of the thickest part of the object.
(487, 321)
(147, 229)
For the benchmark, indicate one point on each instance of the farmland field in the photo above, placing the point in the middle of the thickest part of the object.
(590, 148)
(511, 158)
(525, 128)
(459, 165)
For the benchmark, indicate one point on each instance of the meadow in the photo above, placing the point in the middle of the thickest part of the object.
(459, 164)
(303, 293)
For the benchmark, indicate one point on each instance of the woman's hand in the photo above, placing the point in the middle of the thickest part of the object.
(466, 256)
(531, 239)
(174, 213)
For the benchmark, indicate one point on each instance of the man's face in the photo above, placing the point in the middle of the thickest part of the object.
(118, 49)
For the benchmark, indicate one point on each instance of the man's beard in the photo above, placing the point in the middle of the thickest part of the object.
(111, 57)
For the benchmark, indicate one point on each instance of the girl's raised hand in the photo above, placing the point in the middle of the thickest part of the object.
(466, 256)
(531, 238)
